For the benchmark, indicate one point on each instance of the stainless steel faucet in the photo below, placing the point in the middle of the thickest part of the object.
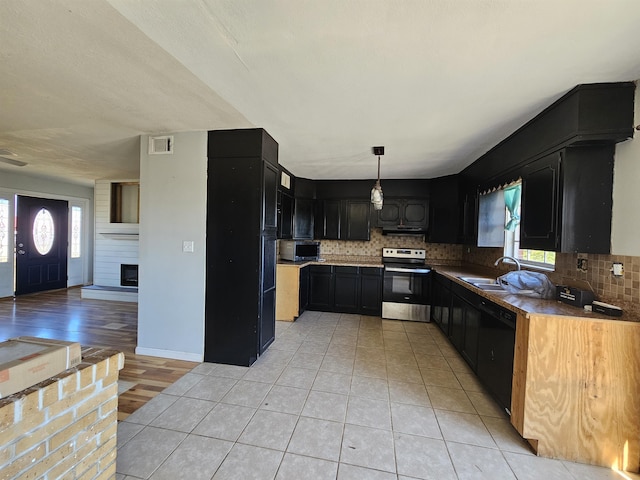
(513, 260)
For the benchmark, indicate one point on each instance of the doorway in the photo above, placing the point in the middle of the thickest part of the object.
(41, 244)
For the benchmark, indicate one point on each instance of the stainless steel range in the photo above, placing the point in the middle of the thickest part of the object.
(407, 278)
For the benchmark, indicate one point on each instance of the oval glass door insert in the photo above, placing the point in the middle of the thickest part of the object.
(43, 231)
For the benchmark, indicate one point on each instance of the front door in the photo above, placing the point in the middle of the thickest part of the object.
(41, 244)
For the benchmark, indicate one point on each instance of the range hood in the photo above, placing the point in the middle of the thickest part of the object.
(403, 230)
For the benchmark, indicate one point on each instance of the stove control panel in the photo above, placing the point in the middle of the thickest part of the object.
(406, 253)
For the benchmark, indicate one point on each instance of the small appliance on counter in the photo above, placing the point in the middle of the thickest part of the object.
(607, 309)
(574, 296)
(299, 250)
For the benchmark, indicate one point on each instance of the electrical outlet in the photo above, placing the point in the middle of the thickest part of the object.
(617, 269)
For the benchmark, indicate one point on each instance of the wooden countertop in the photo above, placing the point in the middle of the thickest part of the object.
(524, 304)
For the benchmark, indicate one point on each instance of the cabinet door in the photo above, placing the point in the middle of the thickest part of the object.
(371, 291)
(415, 213)
(321, 288)
(389, 216)
(469, 217)
(270, 204)
(539, 208)
(358, 216)
(471, 329)
(303, 219)
(346, 289)
(456, 328)
(285, 216)
(303, 290)
(436, 299)
(330, 219)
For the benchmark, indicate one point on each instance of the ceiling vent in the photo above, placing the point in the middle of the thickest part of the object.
(161, 145)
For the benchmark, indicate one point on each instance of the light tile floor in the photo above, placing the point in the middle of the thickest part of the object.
(336, 396)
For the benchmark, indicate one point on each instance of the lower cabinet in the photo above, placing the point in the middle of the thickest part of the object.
(465, 324)
(321, 287)
(371, 282)
(481, 331)
(303, 290)
(440, 301)
(345, 289)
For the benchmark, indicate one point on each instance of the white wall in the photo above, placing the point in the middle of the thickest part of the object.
(111, 251)
(625, 228)
(173, 193)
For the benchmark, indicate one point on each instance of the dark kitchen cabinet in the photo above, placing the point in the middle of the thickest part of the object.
(540, 184)
(456, 319)
(471, 331)
(358, 220)
(241, 245)
(409, 212)
(343, 219)
(371, 291)
(327, 221)
(469, 215)
(440, 301)
(303, 290)
(346, 289)
(444, 220)
(321, 288)
(303, 219)
(285, 216)
(567, 201)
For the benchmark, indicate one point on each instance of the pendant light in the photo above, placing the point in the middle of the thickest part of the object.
(376, 191)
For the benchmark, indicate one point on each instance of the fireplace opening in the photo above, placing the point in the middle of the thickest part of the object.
(128, 275)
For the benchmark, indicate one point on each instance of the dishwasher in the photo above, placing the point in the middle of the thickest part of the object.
(496, 342)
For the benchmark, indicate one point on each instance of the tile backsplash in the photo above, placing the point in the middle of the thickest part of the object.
(623, 291)
(437, 253)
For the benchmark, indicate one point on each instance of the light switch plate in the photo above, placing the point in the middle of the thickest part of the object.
(187, 246)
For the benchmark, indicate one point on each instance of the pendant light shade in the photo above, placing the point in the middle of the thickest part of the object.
(376, 192)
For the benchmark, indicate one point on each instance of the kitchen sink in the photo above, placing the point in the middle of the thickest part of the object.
(479, 280)
(491, 287)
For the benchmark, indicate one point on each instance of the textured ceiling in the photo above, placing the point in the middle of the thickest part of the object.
(437, 82)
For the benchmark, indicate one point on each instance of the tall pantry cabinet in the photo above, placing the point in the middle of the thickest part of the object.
(241, 245)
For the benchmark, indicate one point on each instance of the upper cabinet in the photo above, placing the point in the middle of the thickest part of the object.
(343, 219)
(567, 201)
(586, 115)
(444, 224)
(410, 212)
(303, 219)
(285, 215)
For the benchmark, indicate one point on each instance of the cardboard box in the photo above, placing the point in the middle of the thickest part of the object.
(25, 361)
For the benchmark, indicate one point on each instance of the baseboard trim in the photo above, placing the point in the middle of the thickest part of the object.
(157, 352)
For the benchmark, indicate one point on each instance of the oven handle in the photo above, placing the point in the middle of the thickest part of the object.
(406, 270)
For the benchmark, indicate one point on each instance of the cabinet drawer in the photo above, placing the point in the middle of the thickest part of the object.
(346, 270)
(371, 271)
(327, 269)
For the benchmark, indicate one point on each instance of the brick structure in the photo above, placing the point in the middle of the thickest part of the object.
(64, 427)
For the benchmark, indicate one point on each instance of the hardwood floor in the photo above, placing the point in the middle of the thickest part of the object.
(64, 315)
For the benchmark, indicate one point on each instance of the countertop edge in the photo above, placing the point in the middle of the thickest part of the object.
(527, 305)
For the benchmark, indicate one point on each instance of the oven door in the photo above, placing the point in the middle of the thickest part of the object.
(406, 293)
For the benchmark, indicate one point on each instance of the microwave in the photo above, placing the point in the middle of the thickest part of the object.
(299, 251)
